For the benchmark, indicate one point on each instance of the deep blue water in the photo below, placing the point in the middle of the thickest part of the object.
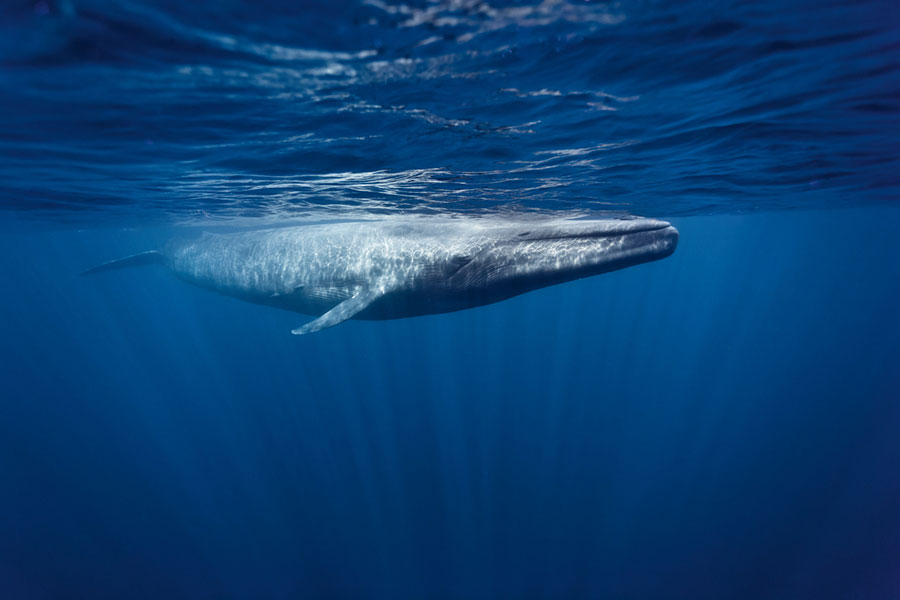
(719, 424)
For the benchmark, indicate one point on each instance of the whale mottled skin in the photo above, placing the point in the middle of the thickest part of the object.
(404, 268)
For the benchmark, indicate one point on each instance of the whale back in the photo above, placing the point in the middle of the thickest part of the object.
(314, 267)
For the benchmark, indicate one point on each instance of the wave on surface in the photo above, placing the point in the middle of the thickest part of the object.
(165, 110)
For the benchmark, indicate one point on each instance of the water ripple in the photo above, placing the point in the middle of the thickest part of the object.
(165, 110)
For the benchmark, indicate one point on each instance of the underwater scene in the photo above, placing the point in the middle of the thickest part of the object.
(450, 299)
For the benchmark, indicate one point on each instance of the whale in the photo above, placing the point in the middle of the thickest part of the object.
(404, 267)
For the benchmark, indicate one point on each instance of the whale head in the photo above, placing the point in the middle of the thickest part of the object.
(530, 256)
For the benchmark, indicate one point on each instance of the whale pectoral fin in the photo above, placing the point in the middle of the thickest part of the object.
(341, 312)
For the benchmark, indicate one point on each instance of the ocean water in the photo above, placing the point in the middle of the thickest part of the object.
(719, 424)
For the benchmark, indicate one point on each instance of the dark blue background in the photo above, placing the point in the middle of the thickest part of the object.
(720, 424)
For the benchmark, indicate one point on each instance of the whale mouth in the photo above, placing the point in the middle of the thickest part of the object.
(639, 227)
(604, 243)
(592, 229)
(666, 240)
(555, 252)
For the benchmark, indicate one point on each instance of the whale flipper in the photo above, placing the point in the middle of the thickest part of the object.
(342, 311)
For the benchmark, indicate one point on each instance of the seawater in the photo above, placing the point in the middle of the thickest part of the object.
(719, 424)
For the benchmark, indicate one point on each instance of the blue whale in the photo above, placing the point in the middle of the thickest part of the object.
(400, 268)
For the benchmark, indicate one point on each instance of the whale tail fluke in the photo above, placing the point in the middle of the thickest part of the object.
(151, 257)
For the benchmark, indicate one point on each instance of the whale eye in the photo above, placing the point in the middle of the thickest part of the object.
(524, 233)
